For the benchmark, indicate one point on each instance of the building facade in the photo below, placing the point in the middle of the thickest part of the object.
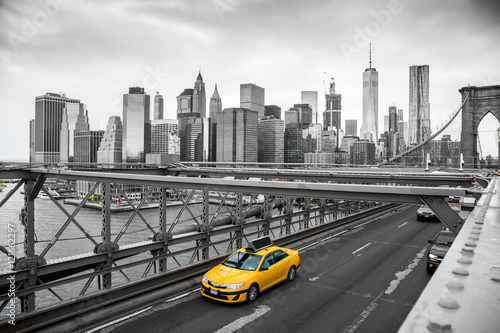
(158, 107)
(271, 140)
(252, 97)
(369, 128)
(311, 98)
(136, 126)
(87, 144)
(50, 110)
(419, 108)
(165, 136)
(351, 127)
(237, 135)
(110, 149)
(199, 98)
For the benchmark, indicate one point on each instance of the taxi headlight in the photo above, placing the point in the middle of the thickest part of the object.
(234, 285)
(432, 257)
(205, 279)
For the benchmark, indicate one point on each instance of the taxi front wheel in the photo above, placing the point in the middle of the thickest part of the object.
(252, 293)
(292, 272)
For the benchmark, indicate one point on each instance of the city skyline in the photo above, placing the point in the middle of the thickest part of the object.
(73, 53)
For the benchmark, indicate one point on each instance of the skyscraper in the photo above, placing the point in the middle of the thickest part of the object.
(75, 118)
(185, 104)
(252, 97)
(393, 119)
(164, 136)
(271, 140)
(272, 110)
(86, 145)
(237, 135)
(419, 108)
(110, 150)
(215, 108)
(49, 111)
(369, 128)
(215, 105)
(158, 107)
(351, 127)
(199, 98)
(333, 103)
(311, 98)
(136, 126)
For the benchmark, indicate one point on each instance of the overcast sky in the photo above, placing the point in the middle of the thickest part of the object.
(95, 50)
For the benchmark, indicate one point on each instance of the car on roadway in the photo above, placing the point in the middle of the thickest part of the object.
(424, 212)
(441, 243)
(249, 271)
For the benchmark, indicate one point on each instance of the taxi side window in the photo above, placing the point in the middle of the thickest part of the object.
(268, 261)
(279, 255)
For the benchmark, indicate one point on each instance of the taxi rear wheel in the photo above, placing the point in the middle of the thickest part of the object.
(252, 293)
(292, 272)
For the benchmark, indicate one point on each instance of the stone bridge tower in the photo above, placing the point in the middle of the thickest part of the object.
(481, 101)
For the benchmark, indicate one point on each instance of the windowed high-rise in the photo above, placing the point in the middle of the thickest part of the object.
(271, 140)
(369, 128)
(215, 108)
(87, 145)
(419, 108)
(237, 135)
(136, 126)
(252, 97)
(158, 107)
(50, 111)
(199, 98)
(332, 115)
(311, 98)
(110, 150)
(164, 136)
(351, 127)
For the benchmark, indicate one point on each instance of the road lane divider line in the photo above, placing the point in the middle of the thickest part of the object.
(95, 329)
(316, 243)
(361, 248)
(339, 233)
(399, 226)
(402, 274)
(242, 321)
(361, 318)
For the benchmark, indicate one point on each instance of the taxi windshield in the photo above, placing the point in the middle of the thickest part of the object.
(243, 260)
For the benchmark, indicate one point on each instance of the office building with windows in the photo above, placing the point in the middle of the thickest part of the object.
(237, 135)
(136, 126)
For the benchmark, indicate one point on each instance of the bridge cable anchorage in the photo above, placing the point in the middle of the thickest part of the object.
(423, 143)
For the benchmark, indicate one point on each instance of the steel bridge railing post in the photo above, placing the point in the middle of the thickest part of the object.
(163, 229)
(29, 261)
(205, 226)
(107, 246)
(289, 213)
(240, 220)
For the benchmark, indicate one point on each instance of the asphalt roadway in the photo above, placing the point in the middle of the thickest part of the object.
(360, 279)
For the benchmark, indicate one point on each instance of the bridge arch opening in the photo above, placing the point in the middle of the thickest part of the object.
(487, 139)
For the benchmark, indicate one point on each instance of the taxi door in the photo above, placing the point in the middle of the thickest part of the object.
(268, 274)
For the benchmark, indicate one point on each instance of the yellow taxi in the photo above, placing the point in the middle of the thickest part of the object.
(249, 271)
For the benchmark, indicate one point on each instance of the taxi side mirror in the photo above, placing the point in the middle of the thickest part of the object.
(264, 268)
(430, 241)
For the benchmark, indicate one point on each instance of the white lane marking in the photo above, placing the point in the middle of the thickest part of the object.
(361, 248)
(340, 233)
(181, 296)
(399, 226)
(242, 321)
(314, 278)
(308, 246)
(315, 243)
(402, 274)
(118, 320)
(361, 318)
(360, 225)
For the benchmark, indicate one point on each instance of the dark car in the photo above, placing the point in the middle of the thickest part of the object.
(425, 213)
(440, 246)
